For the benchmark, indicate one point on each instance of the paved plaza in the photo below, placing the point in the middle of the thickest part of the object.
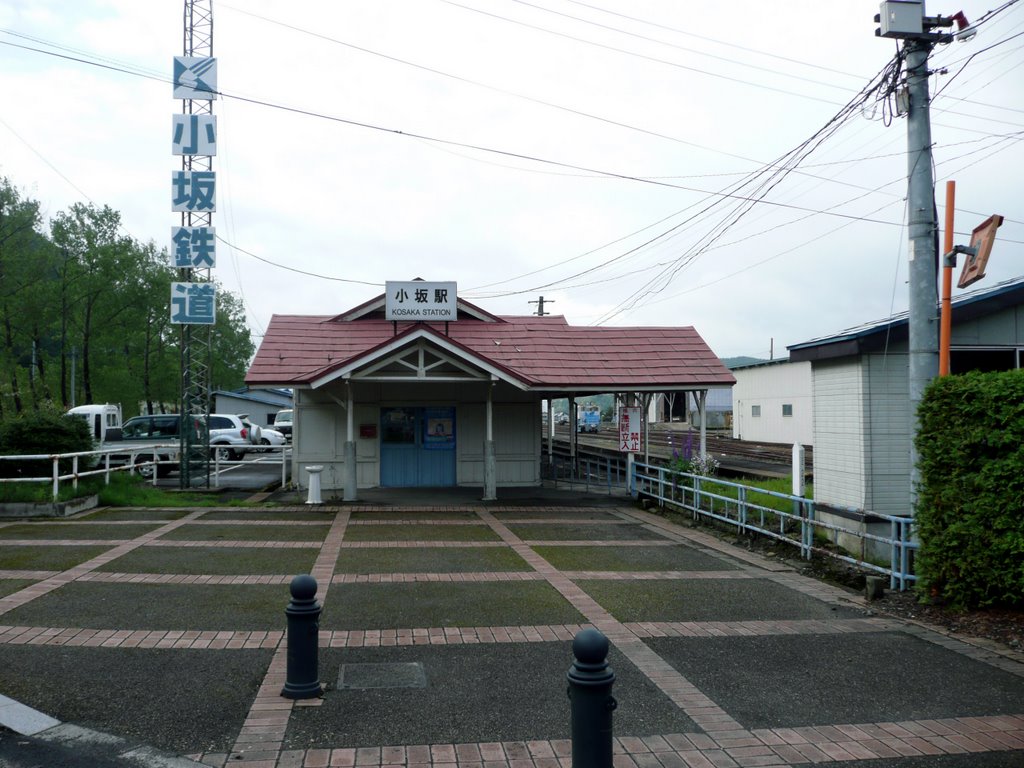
(446, 634)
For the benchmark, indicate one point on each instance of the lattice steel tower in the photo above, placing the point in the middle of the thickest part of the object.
(196, 340)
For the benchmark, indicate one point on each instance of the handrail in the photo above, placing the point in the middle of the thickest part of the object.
(130, 466)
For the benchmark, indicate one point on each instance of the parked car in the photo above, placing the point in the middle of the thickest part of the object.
(140, 432)
(283, 423)
(271, 437)
(231, 435)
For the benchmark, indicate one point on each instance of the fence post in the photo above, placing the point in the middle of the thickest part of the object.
(741, 512)
(56, 474)
(904, 553)
(591, 701)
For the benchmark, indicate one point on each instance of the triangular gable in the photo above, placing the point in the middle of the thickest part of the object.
(420, 354)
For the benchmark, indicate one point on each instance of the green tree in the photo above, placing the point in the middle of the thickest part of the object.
(88, 297)
(26, 264)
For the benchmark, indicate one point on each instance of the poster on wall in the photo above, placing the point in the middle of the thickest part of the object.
(439, 429)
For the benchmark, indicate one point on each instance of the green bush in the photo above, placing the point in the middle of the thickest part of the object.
(970, 507)
(46, 431)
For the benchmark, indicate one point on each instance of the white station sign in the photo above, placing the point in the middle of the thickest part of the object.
(420, 301)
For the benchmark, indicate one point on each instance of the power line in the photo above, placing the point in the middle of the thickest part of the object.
(645, 57)
(677, 47)
(435, 139)
(714, 40)
(296, 269)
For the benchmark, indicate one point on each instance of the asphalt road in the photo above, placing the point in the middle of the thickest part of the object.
(255, 472)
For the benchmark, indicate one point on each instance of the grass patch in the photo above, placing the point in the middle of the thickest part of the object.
(384, 514)
(157, 606)
(74, 530)
(429, 560)
(707, 600)
(42, 492)
(541, 514)
(414, 532)
(132, 491)
(162, 515)
(436, 604)
(282, 515)
(243, 532)
(571, 532)
(47, 558)
(10, 586)
(215, 561)
(671, 558)
(775, 484)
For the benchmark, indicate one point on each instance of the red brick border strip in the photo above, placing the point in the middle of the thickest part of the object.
(261, 738)
(758, 747)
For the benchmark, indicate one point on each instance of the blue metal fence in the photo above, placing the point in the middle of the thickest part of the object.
(732, 503)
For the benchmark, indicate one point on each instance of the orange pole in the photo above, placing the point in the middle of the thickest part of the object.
(946, 321)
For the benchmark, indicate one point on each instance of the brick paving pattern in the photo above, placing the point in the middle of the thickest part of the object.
(720, 742)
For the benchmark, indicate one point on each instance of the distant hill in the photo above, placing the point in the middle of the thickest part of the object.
(736, 362)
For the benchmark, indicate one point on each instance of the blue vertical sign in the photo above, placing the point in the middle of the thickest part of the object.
(194, 247)
(194, 191)
(195, 78)
(193, 303)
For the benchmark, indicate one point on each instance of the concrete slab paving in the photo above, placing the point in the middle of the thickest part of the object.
(176, 700)
(23, 719)
(724, 659)
(193, 606)
(807, 680)
(709, 600)
(474, 693)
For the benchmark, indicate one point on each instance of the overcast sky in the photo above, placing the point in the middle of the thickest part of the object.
(572, 149)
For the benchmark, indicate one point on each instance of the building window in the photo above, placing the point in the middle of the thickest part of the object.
(787, 409)
(755, 410)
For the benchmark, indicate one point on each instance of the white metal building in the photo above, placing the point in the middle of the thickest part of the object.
(860, 390)
(771, 403)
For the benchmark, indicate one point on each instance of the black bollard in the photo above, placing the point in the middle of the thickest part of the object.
(591, 700)
(303, 679)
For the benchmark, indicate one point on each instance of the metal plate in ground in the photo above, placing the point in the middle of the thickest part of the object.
(397, 675)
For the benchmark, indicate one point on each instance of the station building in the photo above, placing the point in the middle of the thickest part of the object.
(454, 397)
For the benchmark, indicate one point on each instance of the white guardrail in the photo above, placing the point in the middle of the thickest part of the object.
(144, 460)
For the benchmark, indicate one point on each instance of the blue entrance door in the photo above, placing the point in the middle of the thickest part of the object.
(417, 447)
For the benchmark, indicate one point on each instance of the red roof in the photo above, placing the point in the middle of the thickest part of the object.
(541, 352)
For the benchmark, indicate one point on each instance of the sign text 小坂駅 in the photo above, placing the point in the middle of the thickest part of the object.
(420, 300)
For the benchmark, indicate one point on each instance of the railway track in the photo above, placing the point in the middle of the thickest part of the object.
(734, 456)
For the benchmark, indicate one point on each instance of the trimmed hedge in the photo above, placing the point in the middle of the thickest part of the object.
(970, 507)
(46, 431)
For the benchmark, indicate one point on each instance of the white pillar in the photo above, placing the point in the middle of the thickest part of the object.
(351, 474)
(702, 407)
(551, 432)
(573, 434)
(490, 466)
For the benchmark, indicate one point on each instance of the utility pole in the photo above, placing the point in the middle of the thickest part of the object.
(540, 306)
(906, 21)
(922, 230)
